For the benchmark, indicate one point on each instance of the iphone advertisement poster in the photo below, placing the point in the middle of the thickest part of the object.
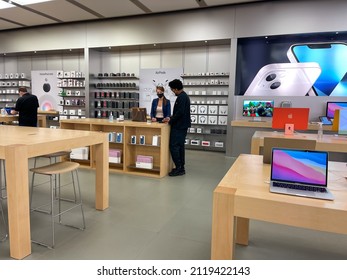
(292, 65)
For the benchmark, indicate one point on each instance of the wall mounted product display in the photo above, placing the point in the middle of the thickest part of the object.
(312, 64)
(208, 92)
(113, 92)
(130, 143)
(9, 83)
(72, 91)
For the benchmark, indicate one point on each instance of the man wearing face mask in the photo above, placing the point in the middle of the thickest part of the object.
(161, 107)
(179, 121)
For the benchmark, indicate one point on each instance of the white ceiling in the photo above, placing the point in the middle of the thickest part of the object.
(63, 11)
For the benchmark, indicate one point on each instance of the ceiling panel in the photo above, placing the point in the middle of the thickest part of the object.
(169, 5)
(63, 11)
(7, 25)
(112, 8)
(56, 11)
(226, 2)
(24, 17)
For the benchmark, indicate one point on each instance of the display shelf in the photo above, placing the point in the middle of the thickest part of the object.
(209, 95)
(129, 152)
(72, 92)
(113, 94)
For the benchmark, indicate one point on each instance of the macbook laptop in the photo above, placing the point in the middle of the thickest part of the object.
(300, 173)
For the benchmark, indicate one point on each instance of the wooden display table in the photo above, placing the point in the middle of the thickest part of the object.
(41, 117)
(17, 145)
(161, 154)
(244, 194)
(329, 142)
(267, 124)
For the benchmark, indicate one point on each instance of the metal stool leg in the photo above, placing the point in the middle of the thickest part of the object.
(55, 193)
(4, 222)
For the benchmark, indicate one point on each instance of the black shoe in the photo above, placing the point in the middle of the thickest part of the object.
(177, 172)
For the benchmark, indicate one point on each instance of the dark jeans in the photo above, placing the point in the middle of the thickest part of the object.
(177, 139)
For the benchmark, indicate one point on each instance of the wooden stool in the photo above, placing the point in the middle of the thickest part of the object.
(53, 171)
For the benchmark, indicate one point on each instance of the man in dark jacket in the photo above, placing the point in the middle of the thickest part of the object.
(26, 106)
(179, 121)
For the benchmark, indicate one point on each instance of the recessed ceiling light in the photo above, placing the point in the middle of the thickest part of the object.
(29, 2)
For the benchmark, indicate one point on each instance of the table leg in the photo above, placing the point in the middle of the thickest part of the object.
(242, 231)
(222, 244)
(102, 175)
(16, 160)
(255, 146)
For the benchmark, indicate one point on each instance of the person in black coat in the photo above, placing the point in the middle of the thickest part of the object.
(179, 122)
(26, 106)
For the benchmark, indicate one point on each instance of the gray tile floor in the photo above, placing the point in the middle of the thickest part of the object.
(170, 219)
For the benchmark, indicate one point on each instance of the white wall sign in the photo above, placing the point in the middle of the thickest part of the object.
(150, 78)
(44, 86)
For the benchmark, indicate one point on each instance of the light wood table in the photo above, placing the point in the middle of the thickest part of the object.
(329, 142)
(244, 193)
(17, 145)
(8, 118)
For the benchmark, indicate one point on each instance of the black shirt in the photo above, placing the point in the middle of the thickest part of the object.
(27, 106)
(180, 118)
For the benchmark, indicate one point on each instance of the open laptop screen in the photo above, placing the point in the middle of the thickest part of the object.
(300, 166)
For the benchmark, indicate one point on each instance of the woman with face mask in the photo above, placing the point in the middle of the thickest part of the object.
(161, 107)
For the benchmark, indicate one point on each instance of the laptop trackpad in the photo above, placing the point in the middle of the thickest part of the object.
(300, 193)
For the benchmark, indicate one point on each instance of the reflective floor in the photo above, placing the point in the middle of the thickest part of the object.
(166, 219)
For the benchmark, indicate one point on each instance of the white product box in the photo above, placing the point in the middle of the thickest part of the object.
(212, 110)
(80, 153)
(202, 109)
(144, 162)
(196, 92)
(186, 142)
(156, 140)
(16, 76)
(223, 110)
(72, 74)
(191, 129)
(194, 119)
(222, 120)
(67, 74)
(72, 112)
(212, 119)
(114, 155)
(195, 142)
(203, 92)
(60, 74)
(193, 109)
(202, 119)
(199, 130)
(190, 92)
(74, 117)
(219, 144)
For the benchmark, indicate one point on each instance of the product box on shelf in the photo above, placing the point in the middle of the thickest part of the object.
(114, 155)
(219, 144)
(80, 153)
(156, 140)
(195, 142)
(144, 162)
(205, 143)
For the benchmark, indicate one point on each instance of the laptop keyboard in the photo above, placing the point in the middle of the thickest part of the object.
(299, 187)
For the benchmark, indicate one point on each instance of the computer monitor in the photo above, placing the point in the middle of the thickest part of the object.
(257, 108)
(342, 120)
(296, 116)
(334, 105)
